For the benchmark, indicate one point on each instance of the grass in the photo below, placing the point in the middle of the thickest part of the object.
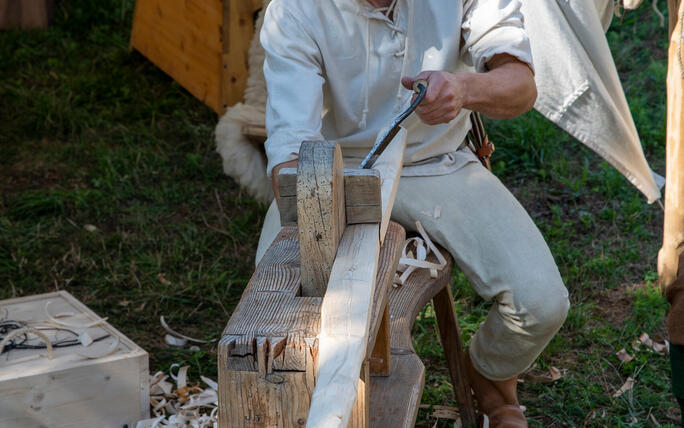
(94, 134)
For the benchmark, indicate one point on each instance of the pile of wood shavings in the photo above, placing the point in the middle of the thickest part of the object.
(410, 261)
(182, 406)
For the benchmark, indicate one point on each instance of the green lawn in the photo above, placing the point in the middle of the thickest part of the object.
(94, 134)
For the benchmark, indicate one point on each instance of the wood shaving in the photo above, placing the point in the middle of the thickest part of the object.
(549, 376)
(181, 405)
(182, 336)
(437, 213)
(65, 323)
(662, 347)
(423, 247)
(659, 345)
(644, 339)
(175, 341)
(626, 387)
(27, 330)
(85, 339)
(110, 350)
(623, 356)
(442, 412)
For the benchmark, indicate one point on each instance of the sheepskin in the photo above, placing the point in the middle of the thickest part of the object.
(244, 161)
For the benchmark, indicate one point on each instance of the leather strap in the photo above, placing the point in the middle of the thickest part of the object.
(479, 142)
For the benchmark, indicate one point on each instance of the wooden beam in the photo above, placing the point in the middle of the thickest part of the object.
(320, 212)
(237, 31)
(450, 334)
(672, 15)
(345, 318)
(287, 196)
(380, 357)
(389, 164)
(362, 198)
(26, 14)
(673, 227)
(346, 308)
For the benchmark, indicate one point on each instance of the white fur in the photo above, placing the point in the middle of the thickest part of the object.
(243, 160)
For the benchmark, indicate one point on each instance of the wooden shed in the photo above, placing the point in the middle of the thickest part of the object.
(202, 44)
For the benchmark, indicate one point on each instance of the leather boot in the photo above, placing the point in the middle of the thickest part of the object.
(497, 399)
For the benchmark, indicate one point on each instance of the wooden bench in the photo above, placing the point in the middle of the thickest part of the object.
(269, 346)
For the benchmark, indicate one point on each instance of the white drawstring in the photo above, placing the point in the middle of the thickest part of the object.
(387, 11)
(366, 82)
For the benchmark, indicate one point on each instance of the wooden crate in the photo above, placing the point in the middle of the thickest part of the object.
(70, 390)
(202, 44)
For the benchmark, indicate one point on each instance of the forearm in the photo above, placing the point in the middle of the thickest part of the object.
(506, 91)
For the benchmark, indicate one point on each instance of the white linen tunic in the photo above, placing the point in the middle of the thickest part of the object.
(333, 70)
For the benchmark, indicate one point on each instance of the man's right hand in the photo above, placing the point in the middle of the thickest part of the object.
(274, 175)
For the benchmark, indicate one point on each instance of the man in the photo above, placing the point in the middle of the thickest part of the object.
(339, 70)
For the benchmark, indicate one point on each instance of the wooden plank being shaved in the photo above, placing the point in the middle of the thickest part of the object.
(345, 319)
(389, 164)
(347, 305)
(320, 212)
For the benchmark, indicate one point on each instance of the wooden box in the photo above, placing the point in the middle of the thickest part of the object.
(71, 390)
(202, 44)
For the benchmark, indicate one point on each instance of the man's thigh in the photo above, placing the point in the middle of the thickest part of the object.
(489, 234)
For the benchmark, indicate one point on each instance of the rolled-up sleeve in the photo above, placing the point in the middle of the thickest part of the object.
(294, 81)
(492, 27)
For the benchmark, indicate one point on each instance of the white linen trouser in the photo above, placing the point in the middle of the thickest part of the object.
(501, 252)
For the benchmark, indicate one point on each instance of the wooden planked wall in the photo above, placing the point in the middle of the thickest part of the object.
(202, 44)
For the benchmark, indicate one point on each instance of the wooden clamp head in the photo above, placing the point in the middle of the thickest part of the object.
(322, 197)
(320, 212)
(362, 199)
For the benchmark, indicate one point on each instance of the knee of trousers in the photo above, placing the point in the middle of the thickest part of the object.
(538, 312)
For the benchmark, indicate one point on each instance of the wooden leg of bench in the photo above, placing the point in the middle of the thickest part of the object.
(380, 357)
(453, 349)
(360, 417)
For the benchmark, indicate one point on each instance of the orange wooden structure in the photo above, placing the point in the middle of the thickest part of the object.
(202, 44)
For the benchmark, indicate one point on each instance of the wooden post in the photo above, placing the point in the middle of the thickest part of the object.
(237, 33)
(380, 357)
(320, 212)
(450, 334)
(673, 15)
(673, 233)
(26, 14)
